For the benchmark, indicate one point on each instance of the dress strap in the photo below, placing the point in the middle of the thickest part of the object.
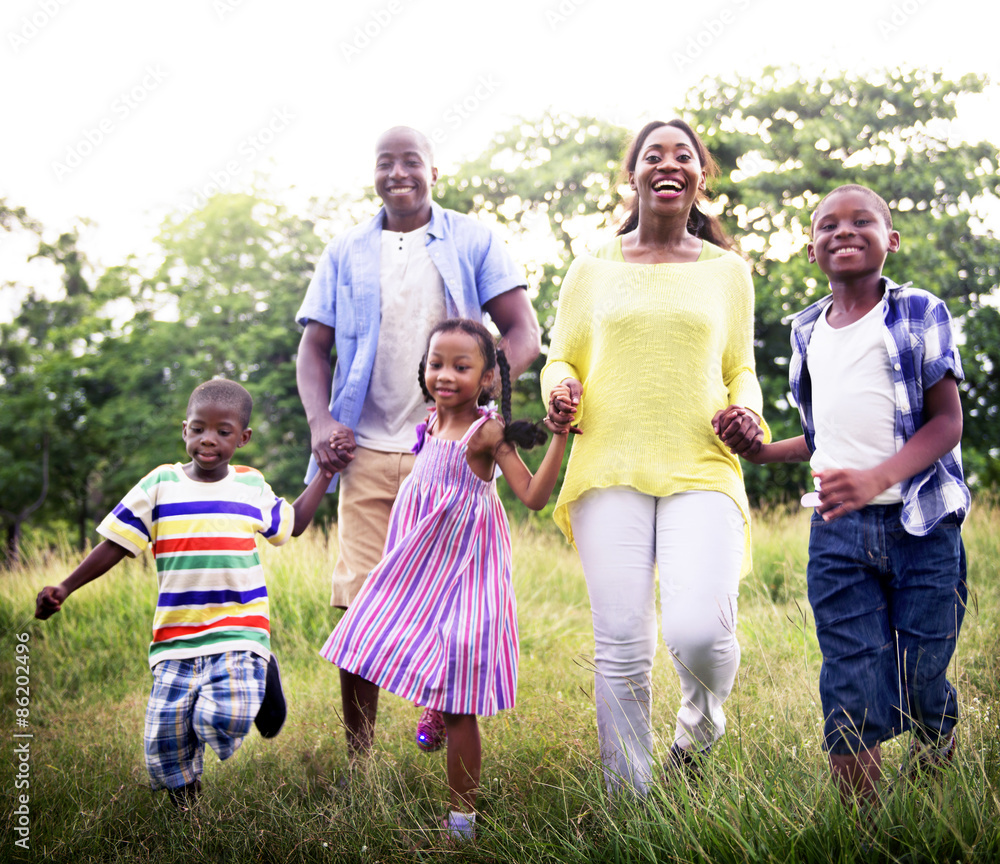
(486, 414)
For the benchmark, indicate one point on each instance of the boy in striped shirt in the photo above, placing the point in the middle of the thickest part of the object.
(211, 652)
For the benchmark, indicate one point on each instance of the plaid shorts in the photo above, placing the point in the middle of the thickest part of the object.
(206, 700)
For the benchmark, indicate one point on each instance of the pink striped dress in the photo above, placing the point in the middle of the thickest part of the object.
(436, 620)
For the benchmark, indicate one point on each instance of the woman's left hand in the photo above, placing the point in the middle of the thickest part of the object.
(739, 430)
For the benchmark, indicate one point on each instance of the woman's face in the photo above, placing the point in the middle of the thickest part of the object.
(668, 174)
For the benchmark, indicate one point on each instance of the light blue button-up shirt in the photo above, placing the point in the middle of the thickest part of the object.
(345, 294)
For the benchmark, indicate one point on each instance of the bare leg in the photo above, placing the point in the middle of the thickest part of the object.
(359, 698)
(858, 775)
(465, 759)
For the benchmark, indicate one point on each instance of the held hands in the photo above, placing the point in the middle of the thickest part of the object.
(342, 443)
(49, 601)
(563, 402)
(739, 430)
(333, 446)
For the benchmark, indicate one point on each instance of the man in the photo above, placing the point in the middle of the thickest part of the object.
(377, 292)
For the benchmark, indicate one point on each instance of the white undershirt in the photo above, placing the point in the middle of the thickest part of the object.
(852, 395)
(412, 303)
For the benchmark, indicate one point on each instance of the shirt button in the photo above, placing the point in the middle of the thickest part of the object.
(896, 366)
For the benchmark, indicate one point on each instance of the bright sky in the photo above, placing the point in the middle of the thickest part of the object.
(120, 111)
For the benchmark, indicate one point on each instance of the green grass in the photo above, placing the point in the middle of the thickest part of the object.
(766, 796)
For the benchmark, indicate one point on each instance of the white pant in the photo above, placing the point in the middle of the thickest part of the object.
(696, 540)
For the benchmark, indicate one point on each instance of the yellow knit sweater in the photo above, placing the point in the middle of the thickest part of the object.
(659, 348)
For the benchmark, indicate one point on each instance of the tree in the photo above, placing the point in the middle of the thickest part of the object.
(237, 270)
(49, 405)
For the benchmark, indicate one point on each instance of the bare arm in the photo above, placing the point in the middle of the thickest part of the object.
(101, 559)
(533, 490)
(521, 337)
(788, 450)
(314, 379)
(305, 505)
(845, 489)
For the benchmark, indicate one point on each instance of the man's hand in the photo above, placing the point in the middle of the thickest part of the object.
(333, 444)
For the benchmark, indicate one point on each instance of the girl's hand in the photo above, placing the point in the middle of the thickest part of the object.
(739, 430)
(563, 402)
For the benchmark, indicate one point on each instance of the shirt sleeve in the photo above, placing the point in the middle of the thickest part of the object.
(569, 345)
(739, 371)
(496, 272)
(130, 524)
(940, 352)
(279, 517)
(320, 302)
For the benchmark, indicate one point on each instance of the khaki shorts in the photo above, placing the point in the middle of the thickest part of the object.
(368, 488)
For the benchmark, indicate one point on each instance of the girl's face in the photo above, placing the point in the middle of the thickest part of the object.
(668, 175)
(455, 372)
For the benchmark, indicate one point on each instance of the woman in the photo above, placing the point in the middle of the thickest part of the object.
(654, 338)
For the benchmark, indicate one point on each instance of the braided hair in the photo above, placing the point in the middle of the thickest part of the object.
(522, 433)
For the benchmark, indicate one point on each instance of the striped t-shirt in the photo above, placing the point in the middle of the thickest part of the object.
(212, 596)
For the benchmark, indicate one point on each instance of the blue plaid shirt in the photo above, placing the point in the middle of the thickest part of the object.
(918, 337)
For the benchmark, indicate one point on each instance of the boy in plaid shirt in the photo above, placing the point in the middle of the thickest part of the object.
(875, 374)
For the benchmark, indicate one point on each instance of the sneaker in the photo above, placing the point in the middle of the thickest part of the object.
(460, 828)
(273, 710)
(686, 762)
(185, 797)
(926, 760)
(431, 731)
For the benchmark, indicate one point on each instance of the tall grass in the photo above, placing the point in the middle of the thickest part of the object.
(765, 797)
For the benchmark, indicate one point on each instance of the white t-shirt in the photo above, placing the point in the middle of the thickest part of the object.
(412, 303)
(852, 396)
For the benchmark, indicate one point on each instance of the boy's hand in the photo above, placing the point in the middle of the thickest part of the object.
(563, 402)
(844, 490)
(739, 430)
(49, 601)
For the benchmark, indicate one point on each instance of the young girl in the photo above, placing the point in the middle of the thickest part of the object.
(436, 622)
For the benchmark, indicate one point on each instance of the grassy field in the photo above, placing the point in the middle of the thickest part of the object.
(765, 797)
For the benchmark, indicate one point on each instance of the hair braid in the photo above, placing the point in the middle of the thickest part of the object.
(523, 433)
(423, 383)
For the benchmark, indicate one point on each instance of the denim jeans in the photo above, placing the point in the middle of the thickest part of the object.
(888, 609)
